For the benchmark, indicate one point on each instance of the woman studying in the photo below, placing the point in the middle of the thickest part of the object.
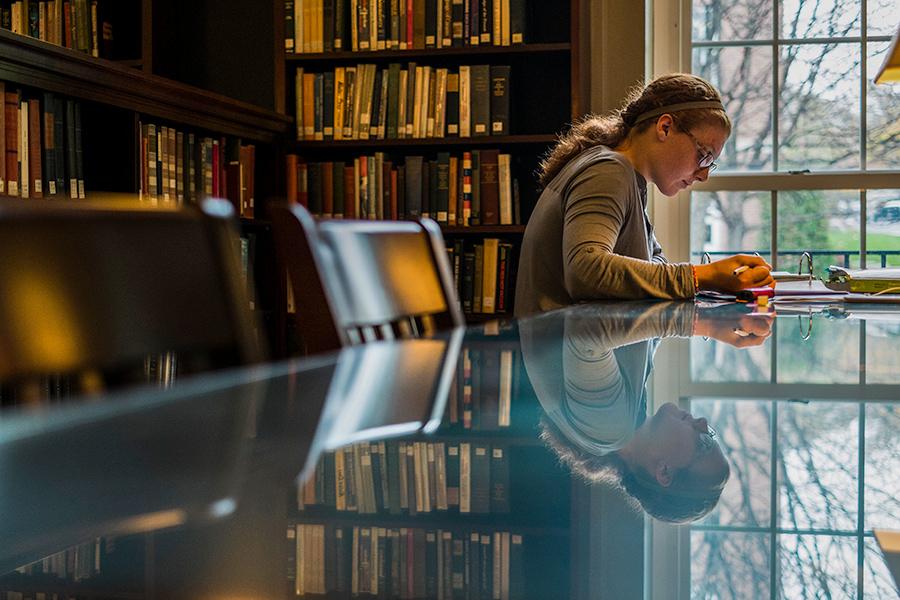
(594, 205)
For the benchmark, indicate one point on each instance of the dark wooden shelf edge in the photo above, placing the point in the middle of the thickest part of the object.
(480, 318)
(425, 521)
(482, 229)
(496, 140)
(433, 52)
(40, 65)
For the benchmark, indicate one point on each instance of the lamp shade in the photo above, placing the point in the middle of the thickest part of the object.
(890, 70)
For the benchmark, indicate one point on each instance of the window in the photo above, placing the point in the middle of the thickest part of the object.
(813, 162)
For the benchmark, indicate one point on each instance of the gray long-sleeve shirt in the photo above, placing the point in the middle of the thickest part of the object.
(590, 238)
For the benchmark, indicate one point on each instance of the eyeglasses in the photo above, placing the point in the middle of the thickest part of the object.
(705, 157)
(706, 441)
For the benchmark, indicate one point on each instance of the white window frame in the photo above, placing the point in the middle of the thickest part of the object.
(669, 50)
(667, 558)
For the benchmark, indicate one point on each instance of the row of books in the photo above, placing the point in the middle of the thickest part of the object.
(484, 275)
(405, 562)
(481, 394)
(180, 167)
(314, 26)
(410, 478)
(474, 188)
(75, 24)
(41, 144)
(77, 563)
(364, 102)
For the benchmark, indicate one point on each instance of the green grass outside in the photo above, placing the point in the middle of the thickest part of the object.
(846, 240)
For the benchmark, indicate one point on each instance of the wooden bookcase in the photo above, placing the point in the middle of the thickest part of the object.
(115, 95)
(547, 83)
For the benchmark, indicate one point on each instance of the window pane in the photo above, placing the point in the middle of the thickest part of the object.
(801, 19)
(744, 433)
(817, 566)
(824, 223)
(724, 223)
(715, 20)
(877, 581)
(883, 228)
(819, 107)
(729, 566)
(882, 358)
(717, 362)
(818, 448)
(744, 77)
(817, 359)
(883, 113)
(884, 15)
(882, 496)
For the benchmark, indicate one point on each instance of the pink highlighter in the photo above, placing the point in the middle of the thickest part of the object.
(751, 294)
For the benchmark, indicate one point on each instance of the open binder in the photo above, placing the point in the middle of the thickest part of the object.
(867, 281)
(844, 285)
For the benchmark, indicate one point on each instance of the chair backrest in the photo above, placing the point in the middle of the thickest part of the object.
(101, 286)
(360, 281)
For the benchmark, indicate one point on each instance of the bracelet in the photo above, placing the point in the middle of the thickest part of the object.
(696, 281)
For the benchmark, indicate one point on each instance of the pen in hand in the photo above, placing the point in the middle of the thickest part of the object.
(740, 270)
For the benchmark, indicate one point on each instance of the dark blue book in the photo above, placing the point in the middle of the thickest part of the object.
(442, 187)
(431, 19)
(328, 105)
(500, 94)
(328, 23)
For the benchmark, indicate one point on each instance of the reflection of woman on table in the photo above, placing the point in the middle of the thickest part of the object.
(592, 387)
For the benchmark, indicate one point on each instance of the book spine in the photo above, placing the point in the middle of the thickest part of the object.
(480, 100)
(34, 149)
(289, 25)
(500, 96)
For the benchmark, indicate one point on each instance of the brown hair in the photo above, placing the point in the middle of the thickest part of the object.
(613, 128)
(686, 500)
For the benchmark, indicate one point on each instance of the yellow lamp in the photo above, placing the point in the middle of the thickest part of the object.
(890, 70)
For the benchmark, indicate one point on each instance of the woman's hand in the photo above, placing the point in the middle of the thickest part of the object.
(743, 331)
(720, 275)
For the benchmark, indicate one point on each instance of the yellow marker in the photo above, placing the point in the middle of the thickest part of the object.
(762, 300)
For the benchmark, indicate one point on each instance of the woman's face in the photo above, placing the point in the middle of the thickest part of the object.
(680, 154)
(684, 441)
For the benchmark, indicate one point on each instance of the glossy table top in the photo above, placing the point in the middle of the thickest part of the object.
(539, 458)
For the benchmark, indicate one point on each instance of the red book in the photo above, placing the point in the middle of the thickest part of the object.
(291, 171)
(67, 21)
(394, 213)
(34, 149)
(410, 12)
(349, 193)
(248, 185)
(11, 112)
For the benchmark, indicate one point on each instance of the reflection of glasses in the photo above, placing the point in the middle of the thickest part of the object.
(705, 157)
(706, 441)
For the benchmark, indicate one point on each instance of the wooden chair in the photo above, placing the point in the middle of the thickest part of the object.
(360, 281)
(99, 287)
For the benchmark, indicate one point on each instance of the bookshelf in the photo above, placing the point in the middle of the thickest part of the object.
(516, 488)
(546, 66)
(116, 93)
